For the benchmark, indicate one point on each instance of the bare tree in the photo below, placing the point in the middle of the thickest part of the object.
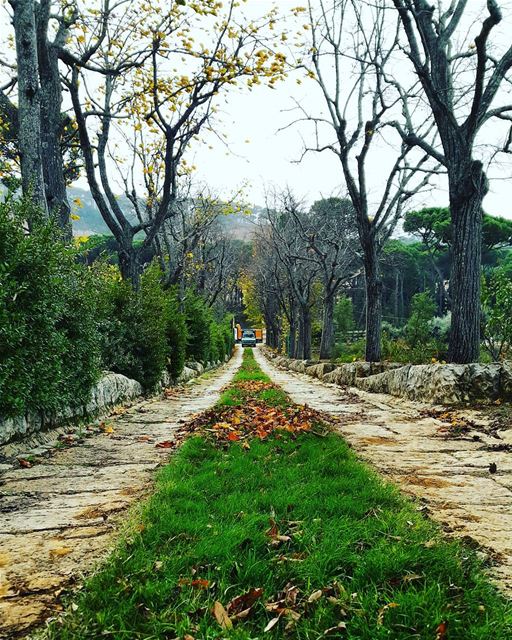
(195, 249)
(351, 51)
(286, 217)
(273, 296)
(143, 97)
(329, 231)
(462, 100)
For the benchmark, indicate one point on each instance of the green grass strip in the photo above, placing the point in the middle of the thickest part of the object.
(394, 575)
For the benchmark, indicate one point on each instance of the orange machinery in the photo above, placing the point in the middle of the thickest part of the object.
(257, 332)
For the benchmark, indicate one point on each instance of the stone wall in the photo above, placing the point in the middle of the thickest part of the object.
(110, 390)
(435, 383)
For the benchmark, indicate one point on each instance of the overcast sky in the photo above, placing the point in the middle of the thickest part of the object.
(261, 152)
(260, 155)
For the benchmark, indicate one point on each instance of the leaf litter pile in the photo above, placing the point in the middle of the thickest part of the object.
(255, 419)
(265, 525)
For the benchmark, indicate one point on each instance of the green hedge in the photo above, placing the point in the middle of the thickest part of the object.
(61, 322)
(49, 338)
(209, 340)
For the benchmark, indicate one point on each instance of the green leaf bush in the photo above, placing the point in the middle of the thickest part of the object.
(50, 352)
(62, 323)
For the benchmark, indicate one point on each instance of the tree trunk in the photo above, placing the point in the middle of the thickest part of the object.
(51, 132)
(29, 111)
(129, 265)
(373, 285)
(466, 197)
(304, 343)
(292, 340)
(327, 339)
(395, 297)
(441, 297)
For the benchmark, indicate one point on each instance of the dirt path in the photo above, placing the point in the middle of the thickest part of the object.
(59, 516)
(450, 475)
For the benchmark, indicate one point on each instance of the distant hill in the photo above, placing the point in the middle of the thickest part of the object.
(91, 222)
(239, 226)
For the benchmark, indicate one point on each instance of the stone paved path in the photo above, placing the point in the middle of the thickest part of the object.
(58, 517)
(450, 475)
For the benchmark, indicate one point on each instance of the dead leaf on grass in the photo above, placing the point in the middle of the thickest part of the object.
(197, 583)
(221, 615)
(316, 595)
(341, 626)
(272, 623)
(243, 603)
(382, 611)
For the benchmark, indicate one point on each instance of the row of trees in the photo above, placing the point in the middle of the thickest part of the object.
(424, 78)
(306, 278)
(124, 88)
(414, 84)
(301, 258)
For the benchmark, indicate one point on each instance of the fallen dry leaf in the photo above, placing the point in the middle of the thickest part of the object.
(341, 626)
(166, 444)
(316, 595)
(198, 583)
(244, 602)
(272, 623)
(221, 616)
(441, 631)
(24, 463)
(382, 611)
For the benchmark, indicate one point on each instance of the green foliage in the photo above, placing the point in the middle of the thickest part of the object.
(143, 331)
(199, 319)
(151, 320)
(416, 342)
(349, 351)
(62, 322)
(418, 330)
(434, 227)
(177, 337)
(343, 317)
(49, 341)
(497, 314)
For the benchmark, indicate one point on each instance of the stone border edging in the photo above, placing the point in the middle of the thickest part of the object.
(110, 390)
(433, 383)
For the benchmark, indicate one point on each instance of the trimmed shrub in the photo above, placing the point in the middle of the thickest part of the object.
(199, 319)
(221, 339)
(143, 332)
(49, 341)
(177, 337)
(134, 324)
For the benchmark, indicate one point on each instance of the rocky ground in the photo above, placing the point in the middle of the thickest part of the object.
(62, 503)
(458, 464)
